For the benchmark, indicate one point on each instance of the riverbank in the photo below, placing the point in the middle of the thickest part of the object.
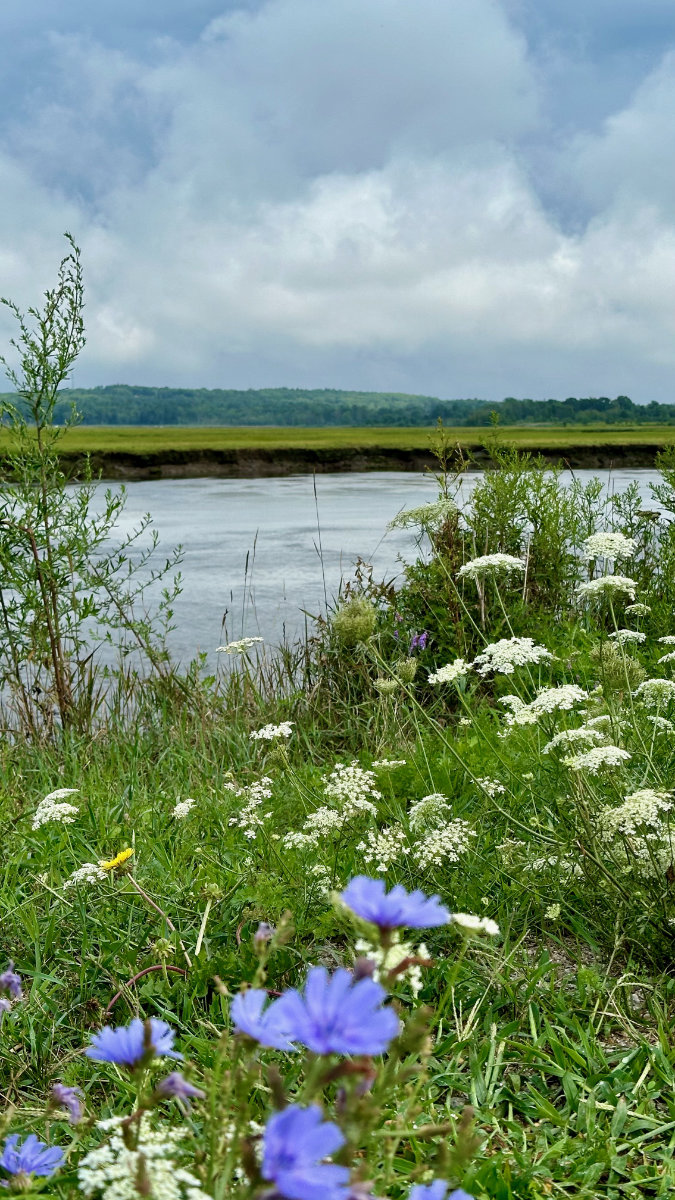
(176, 452)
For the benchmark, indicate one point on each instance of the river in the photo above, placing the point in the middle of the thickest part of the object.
(257, 552)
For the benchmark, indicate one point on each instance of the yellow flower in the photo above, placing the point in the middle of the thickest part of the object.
(111, 863)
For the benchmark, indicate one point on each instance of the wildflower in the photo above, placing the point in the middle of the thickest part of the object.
(386, 687)
(547, 700)
(428, 810)
(568, 736)
(638, 610)
(624, 636)
(670, 657)
(50, 809)
(598, 757)
(607, 545)
(406, 670)
(382, 847)
(552, 912)
(641, 808)
(504, 656)
(470, 924)
(115, 1172)
(270, 733)
(655, 693)
(117, 861)
(389, 910)
(668, 640)
(133, 1044)
(426, 515)
(491, 564)
(436, 1191)
(249, 818)
(87, 873)
(238, 647)
(263, 934)
(11, 982)
(397, 956)
(32, 1157)
(336, 1015)
(294, 1143)
(451, 672)
(419, 641)
(354, 621)
(266, 1026)
(183, 807)
(491, 787)
(445, 844)
(607, 585)
(351, 786)
(68, 1098)
(176, 1087)
(388, 764)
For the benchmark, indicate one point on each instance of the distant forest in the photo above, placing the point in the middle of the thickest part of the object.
(121, 404)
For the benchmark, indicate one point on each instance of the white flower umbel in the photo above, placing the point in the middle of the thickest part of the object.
(249, 818)
(666, 658)
(451, 672)
(548, 700)
(504, 656)
(351, 787)
(656, 693)
(568, 737)
(426, 516)
(474, 926)
(638, 610)
(85, 875)
(51, 809)
(668, 640)
(640, 810)
(491, 564)
(624, 636)
(607, 545)
(114, 1172)
(595, 760)
(446, 844)
(388, 764)
(392, 958)
(239, 647)
(428, 811)
(382, 847)
(491, 787)
(607, 586)
(183, 807)
(270, 733)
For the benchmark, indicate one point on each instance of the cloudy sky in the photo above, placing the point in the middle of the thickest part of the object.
(456, 197)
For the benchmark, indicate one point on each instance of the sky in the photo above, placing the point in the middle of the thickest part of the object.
(461, 198)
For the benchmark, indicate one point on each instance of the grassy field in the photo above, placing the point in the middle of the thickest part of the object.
(153, 440)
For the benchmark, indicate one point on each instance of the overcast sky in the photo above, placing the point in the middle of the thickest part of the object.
(454, 197)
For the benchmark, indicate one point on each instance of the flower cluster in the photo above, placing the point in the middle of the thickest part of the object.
(10, 983)
(491, 787)
(471, 925)
(491, 564)
(382, 847)
(451, 672)
(428, 811)
(52, 808)
(388, 764)
(607, 586)
(446, 844)
(426, 516)
(607, 545)
(598, 757)
(238, 647)
(397, 960)
(270, 733)
(87, 874)
(249, 818)
(548, 700)
(118, 1173)
(351, 787)
(182, 808)
(624, 636)
(641, 809)
(656, 693)
(502, 657)
(567, 737)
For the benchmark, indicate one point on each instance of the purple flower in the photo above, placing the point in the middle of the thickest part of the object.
(263, 934)
(436, 1191)
(175, 1087)
(68, 1098)
(268, 1027)
(418, 641)
(11, 982)
(294, 1143)
(132, 1045)
(389, 910)
(337, 1015)
(31, 1157)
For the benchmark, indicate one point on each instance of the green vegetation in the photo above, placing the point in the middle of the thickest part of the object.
(121, 404)
(497, 732)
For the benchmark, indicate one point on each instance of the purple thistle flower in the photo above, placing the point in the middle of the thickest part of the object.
(294, 1143)
(176, 1087)
(68, 1098)
(267, 1027)
(368, 899)
(436, 1191)
(11, 982)
(32, 1157)
(132, 1045)
(338, 1015)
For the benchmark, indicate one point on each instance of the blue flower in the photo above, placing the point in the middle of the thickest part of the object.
(68, 1098)
(294, 1143)
(176, 1087)
(133, 1044)
(436, 1191)
(11, 982)
(31, 1157)
(268, 1027)
(368, 899)
(336, 1015)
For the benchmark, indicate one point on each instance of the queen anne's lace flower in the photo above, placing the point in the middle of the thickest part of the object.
(666, 658)
(114, 1172)
(388, 764)
(183, 807)
(667, 640)
(598, 757)
(50, 809)
(504, 656)
(491, 787)
(249, 818)
(393, 957)
(607, 545)
(451, 672)
(87, 874)
(656, 693)
(638, 610)
(426, 516)
(567, 737)
(548, 700)
(428, 811)
(445, 844)
(491, 564)
(382, 847)
(270, 733)
(607, 585)
(239, 647)
(624, 636)
(641, 809)
(468, 923)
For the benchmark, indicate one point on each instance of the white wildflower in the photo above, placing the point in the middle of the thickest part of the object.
(426, 515)
(666, 658)
(451, 672)
(607, 545)
(491, 787)
(491, 564)
(601, 719)
(475, 926)
(643, 808)
(661, 724)
(60, 794)
(547, 700)
(183, 807)
(112, 1171)
(428, 810)
(249, 818)
(382, 847)
(552, 912)
(465, 721)
(269, 733)
(445, 844)
(624, 636)
(50, 809)
(655, 693)
(352, 787)
(392, 958)
(567, 737)
(239, 647)
(88, 873)
(638, 610)
(388, 764)
(504, 656)
(594, 760)
(668, 639)
(607, 585)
